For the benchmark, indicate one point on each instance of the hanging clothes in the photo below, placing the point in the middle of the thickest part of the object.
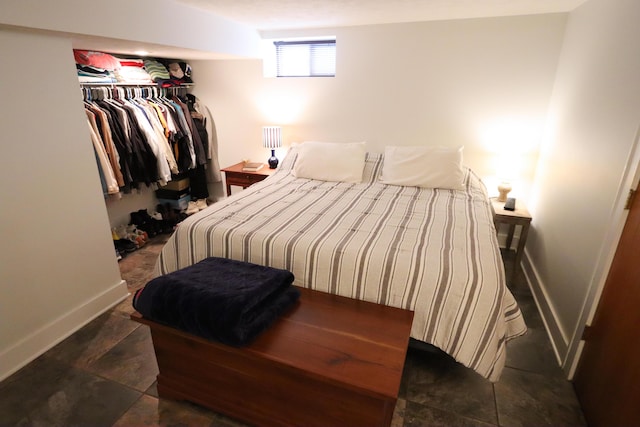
(107, 139)
(197, 174)
(106, 173)
(200, 157)
(141, 136)
(201, 113)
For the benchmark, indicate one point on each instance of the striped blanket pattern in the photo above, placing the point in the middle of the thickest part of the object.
(432, 251)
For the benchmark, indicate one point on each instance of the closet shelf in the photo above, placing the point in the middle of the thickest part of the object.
(103, 84)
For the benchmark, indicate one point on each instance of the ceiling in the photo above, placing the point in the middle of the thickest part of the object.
(299, 14)
(266, 15)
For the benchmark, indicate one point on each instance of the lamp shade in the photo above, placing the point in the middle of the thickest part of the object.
(272, 136)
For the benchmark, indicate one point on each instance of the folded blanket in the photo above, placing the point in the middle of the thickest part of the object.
(220, 299)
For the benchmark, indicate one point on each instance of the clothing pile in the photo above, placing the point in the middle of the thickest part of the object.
(156, 70)
(219, 299)
(95, 67)
(101, 67)
(132, 71)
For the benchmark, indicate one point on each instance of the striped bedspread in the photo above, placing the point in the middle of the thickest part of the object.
(432, 251)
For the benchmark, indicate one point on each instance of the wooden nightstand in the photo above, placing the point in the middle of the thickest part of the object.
(234, 175)
(519, 217)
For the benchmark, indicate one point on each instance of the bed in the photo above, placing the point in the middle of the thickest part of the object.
(432, 251)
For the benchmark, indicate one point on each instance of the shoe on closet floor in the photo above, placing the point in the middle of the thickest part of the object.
(192, 208)
(201, 204)
(137, 236)
(124, 246)
(169, 220)
(142, 223)
(164, 211)
(145, 222)
(174, 216)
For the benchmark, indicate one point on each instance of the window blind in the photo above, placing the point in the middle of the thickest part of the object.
(315, 58)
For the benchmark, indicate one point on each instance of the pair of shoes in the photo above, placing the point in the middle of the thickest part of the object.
(145, 222)
(196, 206)
(163, 223)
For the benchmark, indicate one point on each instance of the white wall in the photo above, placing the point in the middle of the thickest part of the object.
(57, 263)
(477, 83)
(583, 176)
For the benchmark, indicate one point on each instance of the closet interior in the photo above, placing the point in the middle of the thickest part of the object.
(154, 142)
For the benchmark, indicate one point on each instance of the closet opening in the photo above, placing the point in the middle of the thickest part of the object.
(154, 141)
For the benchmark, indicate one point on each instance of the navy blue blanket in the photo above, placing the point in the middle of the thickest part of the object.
(220, 299)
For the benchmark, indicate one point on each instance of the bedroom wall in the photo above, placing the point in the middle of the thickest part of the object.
(57, 263)
(481, 83)
(587, 164)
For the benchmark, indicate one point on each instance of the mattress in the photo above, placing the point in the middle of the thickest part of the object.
(432, 251)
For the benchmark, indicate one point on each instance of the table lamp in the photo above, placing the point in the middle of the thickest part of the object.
(508, 165)
(272, 138)
(503, 189)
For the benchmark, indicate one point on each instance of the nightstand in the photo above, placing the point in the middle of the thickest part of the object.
(234, 175)
(519, 217)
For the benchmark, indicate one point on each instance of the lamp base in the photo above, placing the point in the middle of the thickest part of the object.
(503, 189)
(273, 160)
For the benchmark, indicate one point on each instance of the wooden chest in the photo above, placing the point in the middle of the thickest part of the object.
(329, 361)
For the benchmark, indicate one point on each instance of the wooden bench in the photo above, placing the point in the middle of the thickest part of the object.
(329, 361)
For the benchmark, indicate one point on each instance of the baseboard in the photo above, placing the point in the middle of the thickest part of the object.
(558, 338)
(35, 344)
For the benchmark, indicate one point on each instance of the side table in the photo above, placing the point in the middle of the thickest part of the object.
(234, 175)
(519, 217)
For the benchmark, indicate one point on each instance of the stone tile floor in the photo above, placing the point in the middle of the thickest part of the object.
(104, 375)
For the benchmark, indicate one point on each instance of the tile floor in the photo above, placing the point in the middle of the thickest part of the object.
(104, 375)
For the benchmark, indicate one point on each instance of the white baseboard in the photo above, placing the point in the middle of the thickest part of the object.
(558, 338)
(41, 340)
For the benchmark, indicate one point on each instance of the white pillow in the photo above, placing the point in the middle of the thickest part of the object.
(330, 161)
(427, 167)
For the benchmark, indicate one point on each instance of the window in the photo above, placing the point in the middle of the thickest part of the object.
(311, 58)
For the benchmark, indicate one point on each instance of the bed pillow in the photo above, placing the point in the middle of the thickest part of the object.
(427, 167)
(330, 161)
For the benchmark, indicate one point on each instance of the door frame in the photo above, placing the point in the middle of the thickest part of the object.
(618, 217)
